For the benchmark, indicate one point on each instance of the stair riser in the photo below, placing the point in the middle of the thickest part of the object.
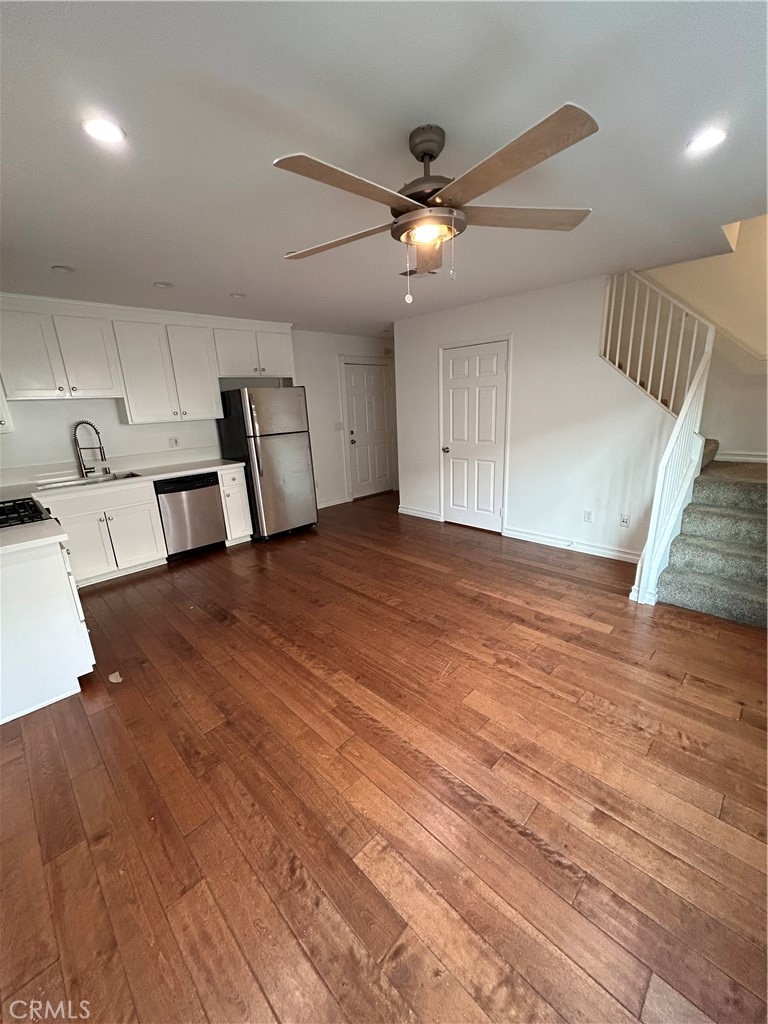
(722, 565)
(748, 495)
(752, 612)
(727, 529)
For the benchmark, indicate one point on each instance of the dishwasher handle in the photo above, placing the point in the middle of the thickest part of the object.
(186, 483)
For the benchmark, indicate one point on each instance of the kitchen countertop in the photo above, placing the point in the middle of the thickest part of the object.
(148, 473)
(31, 535)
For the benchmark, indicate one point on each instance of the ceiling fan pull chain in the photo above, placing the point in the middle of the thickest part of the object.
(408, 296)
(452, 271)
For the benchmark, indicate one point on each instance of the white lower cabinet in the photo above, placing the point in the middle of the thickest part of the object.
(237, 511)
(89, 546)
(114, 530)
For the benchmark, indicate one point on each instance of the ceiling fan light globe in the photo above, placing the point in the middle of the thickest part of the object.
(430, 227)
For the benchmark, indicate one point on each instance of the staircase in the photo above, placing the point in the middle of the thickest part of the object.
(717, 563)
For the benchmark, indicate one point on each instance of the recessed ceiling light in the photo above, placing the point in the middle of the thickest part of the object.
(163, 284)
(62, 268)
(237, 295)
(706, 140)
(102, 130)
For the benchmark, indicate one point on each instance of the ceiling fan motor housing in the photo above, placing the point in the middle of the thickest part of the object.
(426, 142)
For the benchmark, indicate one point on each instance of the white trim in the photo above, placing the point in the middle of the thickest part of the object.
(505, 339)
(420, 513)
(237, 540)
(334, 501)
(120, 572)
(44, 704)
(75, 307)
(343, 361)
(621, 554)
(741, 457)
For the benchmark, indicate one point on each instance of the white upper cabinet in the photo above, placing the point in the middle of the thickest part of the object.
(275, 354)
(89, 352)
(236, 352)
(244, 353)
(194, 367)
(30, 359)
(150, 389)
(6, 423)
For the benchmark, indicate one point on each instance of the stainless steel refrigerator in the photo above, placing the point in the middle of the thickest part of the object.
(268, 429)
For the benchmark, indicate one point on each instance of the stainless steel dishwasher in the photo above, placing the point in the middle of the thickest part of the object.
(191, 512)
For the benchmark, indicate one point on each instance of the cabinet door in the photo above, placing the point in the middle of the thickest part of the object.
(145, 358)
(6, 423)
(236, 353)
(30, 360)
(237, 512)
(137, 534)
(88, 545)
(90, 356)
(275, 354)
(194, 367)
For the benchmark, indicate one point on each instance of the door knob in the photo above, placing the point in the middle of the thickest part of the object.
(446, 450)
(353, 441)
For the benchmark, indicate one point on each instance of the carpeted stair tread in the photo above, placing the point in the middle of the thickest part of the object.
(715, 558)
(728, 599)
(732, 485)
(736, 527)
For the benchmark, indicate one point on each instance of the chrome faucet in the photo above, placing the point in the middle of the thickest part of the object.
(79, 448)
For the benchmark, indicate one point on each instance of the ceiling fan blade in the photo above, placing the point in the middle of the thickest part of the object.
(524, 217)
(309, 167)
(336, 242)
(555, 133)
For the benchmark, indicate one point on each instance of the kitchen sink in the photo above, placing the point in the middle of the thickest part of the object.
(86, 481)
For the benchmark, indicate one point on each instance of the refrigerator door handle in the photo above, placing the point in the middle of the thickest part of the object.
(257, 452)
(256, 462)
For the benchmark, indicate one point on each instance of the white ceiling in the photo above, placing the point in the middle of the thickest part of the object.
(211, 93)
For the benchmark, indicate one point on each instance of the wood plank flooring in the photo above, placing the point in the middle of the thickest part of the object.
(392, 771)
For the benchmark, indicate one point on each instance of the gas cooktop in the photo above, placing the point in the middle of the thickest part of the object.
(21, 511)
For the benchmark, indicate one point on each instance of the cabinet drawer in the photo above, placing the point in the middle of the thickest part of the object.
(232, 477)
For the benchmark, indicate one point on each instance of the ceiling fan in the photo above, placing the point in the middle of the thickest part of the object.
(432, 209)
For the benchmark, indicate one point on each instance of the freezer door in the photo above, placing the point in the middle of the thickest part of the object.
(278, 410)
(286, 482)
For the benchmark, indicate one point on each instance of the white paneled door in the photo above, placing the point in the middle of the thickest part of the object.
(474, 412)
(370, 426)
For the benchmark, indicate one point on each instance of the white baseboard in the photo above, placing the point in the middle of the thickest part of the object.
(650, 598)
(333, 501)
(621, 554)
(741, 457)
(420, 513)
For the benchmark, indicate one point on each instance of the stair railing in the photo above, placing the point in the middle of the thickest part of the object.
(653, 339)
(679, 467)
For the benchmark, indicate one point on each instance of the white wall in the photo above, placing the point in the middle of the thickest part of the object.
(581, 436)
(317, 367)
(735, 402)
(42, 436)
(730, 289)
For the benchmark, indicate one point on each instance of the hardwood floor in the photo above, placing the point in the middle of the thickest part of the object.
(392, 770)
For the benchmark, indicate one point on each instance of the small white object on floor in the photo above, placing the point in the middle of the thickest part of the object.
(115, 677)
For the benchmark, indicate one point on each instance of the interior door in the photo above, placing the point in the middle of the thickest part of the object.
(474, 414)
(370, 422)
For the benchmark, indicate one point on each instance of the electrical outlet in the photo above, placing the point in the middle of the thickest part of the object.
(173, 442)
(588, 515)
(625, 519)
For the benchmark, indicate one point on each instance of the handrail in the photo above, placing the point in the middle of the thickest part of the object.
(679, 466)
(651, 337)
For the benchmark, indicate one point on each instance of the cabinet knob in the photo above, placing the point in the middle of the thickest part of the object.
(2, 423)
(255, 369)
(69, 552)
(183, 412)
(60, 388)
(175, 413)
(73, 388)
(101, 519)
(263, 369)
(110, 518)
(226, 495)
